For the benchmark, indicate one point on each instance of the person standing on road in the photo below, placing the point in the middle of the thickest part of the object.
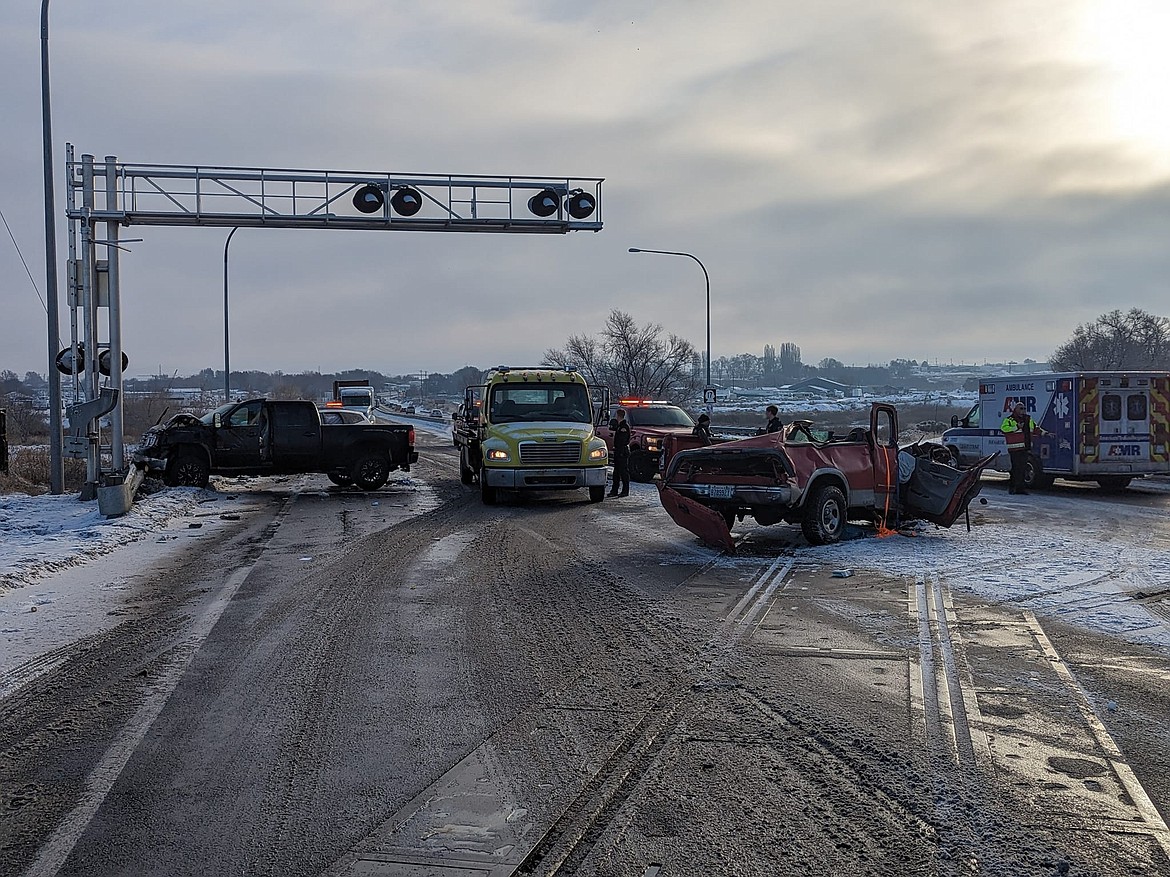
(1018, 429)
(774, 424)
(621, 453)
(702, 429)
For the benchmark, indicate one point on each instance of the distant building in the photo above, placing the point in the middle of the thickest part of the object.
(821, 387)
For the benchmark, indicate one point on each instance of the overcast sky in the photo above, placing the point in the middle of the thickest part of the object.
(911, 179)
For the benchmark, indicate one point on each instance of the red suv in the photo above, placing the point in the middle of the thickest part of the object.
(651, 421)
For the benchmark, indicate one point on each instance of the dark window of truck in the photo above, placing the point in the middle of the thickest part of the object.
(246, 415)
(1135, 407)
(1111, 407)
(515, 403)
(287, 417)
(658, 417)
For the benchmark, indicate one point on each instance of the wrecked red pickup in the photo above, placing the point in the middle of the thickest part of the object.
(816, 479)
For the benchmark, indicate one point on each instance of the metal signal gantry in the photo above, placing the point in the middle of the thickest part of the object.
(242, 197)
(151, 194)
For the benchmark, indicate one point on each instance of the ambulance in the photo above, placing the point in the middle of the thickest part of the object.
(1108, 427)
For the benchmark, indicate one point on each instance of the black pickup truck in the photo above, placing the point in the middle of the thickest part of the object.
(262, 437)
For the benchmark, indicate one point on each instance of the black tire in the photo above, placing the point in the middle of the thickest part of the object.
(486, 492)
(597, 494)
(187, 469)
(466, 473)
(643, 466)
(370, 471)
(339, 480)
(1033, 474)
(824, 519)
(1114, 482)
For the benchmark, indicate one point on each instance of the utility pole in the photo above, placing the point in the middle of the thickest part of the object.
(56, 455)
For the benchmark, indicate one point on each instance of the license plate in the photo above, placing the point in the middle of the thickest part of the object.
(721, 491)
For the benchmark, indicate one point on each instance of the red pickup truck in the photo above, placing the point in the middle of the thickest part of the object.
(816, 479)
(652, 423)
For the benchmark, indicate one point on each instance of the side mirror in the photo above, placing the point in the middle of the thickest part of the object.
(217, 421)
(954, 420)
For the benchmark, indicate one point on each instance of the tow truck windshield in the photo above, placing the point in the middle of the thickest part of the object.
(515, 403)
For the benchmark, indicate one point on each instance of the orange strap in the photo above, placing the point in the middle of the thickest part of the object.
(882, 529)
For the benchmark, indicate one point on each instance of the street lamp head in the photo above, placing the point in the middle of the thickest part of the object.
(634, 250)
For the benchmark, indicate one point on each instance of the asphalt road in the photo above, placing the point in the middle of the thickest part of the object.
(407, 682)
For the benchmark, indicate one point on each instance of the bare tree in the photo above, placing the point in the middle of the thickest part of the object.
(631, 360)
(26, 424)
(1133, 340)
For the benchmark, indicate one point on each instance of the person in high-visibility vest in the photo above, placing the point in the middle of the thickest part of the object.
(1018, 429)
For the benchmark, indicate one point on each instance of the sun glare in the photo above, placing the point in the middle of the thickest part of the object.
(1129, 42)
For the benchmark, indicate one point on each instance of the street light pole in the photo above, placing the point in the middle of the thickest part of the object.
(707, 278)
(227, 368)
(56, 457)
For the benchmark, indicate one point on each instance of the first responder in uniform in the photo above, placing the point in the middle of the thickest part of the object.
(1018, 429)
(621, 453)
(702, 430)
(774, 424)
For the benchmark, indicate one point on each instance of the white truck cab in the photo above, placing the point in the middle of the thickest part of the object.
(358, 399)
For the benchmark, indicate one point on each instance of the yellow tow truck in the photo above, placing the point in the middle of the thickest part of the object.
(530, 429)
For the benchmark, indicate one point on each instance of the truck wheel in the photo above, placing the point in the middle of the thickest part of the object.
(340, 480)
(466, 473)
(1034, 477)
(597, 494)
(1114, 482)
(486, 492)
(643, 466)
(187, 469)
(370, 471)
(824, 520)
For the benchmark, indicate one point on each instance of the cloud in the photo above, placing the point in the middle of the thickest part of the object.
(900, 180)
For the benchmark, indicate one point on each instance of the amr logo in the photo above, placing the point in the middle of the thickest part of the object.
(1009, 403)
(1124, 450)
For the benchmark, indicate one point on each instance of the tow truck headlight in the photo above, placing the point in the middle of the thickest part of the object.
(498, 456)
(598, 453)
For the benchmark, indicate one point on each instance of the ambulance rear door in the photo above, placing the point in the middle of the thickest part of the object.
(1124, 422)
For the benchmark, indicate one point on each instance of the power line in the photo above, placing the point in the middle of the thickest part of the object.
(24, 263)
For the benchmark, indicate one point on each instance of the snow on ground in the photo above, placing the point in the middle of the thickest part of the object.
(1073, 570)
(1086, 582)
(40, 535)
(946, 399)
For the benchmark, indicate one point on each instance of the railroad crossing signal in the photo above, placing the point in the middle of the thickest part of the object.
(119, 194)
